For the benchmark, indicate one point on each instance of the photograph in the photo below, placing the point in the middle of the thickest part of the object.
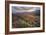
(25, 17)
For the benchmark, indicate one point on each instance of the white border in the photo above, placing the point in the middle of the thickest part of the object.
(25, 29)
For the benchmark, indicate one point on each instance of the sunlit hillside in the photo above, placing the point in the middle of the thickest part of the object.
(25, 17)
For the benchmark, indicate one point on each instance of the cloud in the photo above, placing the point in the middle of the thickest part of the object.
(16, 9)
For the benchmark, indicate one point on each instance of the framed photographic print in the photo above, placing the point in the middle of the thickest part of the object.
(24, 17)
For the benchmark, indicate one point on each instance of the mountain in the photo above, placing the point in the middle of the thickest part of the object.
(37, 12)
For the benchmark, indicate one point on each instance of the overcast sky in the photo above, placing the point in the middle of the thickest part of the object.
(16, 9)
